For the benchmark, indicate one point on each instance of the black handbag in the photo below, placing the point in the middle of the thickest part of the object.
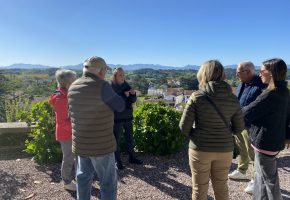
(228, 125)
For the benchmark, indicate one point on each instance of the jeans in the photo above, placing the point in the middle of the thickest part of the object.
(68, 161)
(209, 165)
(104, 166)
(266, 184)
(128, 131)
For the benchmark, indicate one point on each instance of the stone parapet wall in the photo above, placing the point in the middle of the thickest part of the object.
(12, 139)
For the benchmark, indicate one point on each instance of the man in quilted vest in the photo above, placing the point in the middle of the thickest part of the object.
(92, 103)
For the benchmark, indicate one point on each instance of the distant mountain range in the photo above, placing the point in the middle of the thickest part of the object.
(125, 67)
(80, 66)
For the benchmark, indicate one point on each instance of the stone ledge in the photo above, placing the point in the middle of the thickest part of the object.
(14, 127)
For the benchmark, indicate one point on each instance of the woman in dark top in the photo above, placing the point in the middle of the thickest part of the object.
(267, 115)
(123, 120)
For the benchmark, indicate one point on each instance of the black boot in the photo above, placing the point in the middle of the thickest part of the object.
(136, 161)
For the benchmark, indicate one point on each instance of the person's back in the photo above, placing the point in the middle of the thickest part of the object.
(206, 120)
(211, 133)
(92, 103)
(92, 119)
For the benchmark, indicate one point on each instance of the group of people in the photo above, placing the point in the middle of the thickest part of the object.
(91, 114)
(257, 117)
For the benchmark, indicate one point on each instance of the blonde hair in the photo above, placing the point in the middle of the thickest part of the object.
(115, 71)
(211, 70)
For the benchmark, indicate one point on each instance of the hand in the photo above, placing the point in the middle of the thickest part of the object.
(127, 93)
(133, 92)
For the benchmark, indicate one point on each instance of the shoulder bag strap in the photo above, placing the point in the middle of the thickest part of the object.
(218, 111)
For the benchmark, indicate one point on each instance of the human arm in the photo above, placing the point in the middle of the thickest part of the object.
(237, 122)
(114, 101)
(258, 108)
(188, 117)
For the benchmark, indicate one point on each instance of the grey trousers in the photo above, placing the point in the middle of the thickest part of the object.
(266, 184)
(68, 162)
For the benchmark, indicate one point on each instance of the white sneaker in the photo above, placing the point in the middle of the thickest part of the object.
(237, 175)
(250, 188)
(71, 186)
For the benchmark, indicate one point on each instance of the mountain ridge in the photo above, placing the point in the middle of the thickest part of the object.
(129, 67)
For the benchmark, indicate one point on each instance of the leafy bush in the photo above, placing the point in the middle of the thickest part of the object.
(156, 129)
(41, 142)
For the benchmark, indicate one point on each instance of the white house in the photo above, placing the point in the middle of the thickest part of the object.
(154, 91)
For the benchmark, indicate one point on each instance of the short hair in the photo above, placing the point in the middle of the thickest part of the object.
(115, 71)
(95, 62)
(247, 65)
(62, 76)
(277, 67)
(211, 70)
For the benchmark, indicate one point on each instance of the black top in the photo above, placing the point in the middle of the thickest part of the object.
(127, 114)
(267, 116)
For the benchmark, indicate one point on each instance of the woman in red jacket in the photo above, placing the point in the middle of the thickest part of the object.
(63, 131)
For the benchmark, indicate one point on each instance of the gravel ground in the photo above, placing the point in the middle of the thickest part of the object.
(163, 178)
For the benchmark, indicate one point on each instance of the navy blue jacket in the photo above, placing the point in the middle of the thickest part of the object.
(267, 116)
(248, 92)
(127, 114)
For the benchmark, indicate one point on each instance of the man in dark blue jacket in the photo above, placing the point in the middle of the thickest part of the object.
(247, 91)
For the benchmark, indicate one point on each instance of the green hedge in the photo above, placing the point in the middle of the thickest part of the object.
(41, 142)
(156, 129)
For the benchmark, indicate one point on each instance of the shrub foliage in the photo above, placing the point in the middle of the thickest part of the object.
(41, 142)
(156, 129)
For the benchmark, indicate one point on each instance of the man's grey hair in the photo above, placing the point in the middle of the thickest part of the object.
(63, 76)
(247, 65)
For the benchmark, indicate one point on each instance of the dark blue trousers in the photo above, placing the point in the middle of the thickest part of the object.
(128, 131)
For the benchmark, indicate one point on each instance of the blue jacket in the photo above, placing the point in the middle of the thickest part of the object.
(248, 92)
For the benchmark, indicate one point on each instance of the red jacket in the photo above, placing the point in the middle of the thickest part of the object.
(59, 102)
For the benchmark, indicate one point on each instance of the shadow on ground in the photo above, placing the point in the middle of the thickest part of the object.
(157, 171)
(53, 170)
(10, 184)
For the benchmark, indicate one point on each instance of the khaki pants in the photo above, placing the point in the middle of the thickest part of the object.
(205, 165)
(246, 152)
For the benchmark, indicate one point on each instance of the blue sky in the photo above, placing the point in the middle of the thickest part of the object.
(166, 32)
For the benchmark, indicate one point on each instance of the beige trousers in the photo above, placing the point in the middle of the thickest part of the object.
(213, 165)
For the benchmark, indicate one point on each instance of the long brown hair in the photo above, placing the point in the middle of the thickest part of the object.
(278, 69)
